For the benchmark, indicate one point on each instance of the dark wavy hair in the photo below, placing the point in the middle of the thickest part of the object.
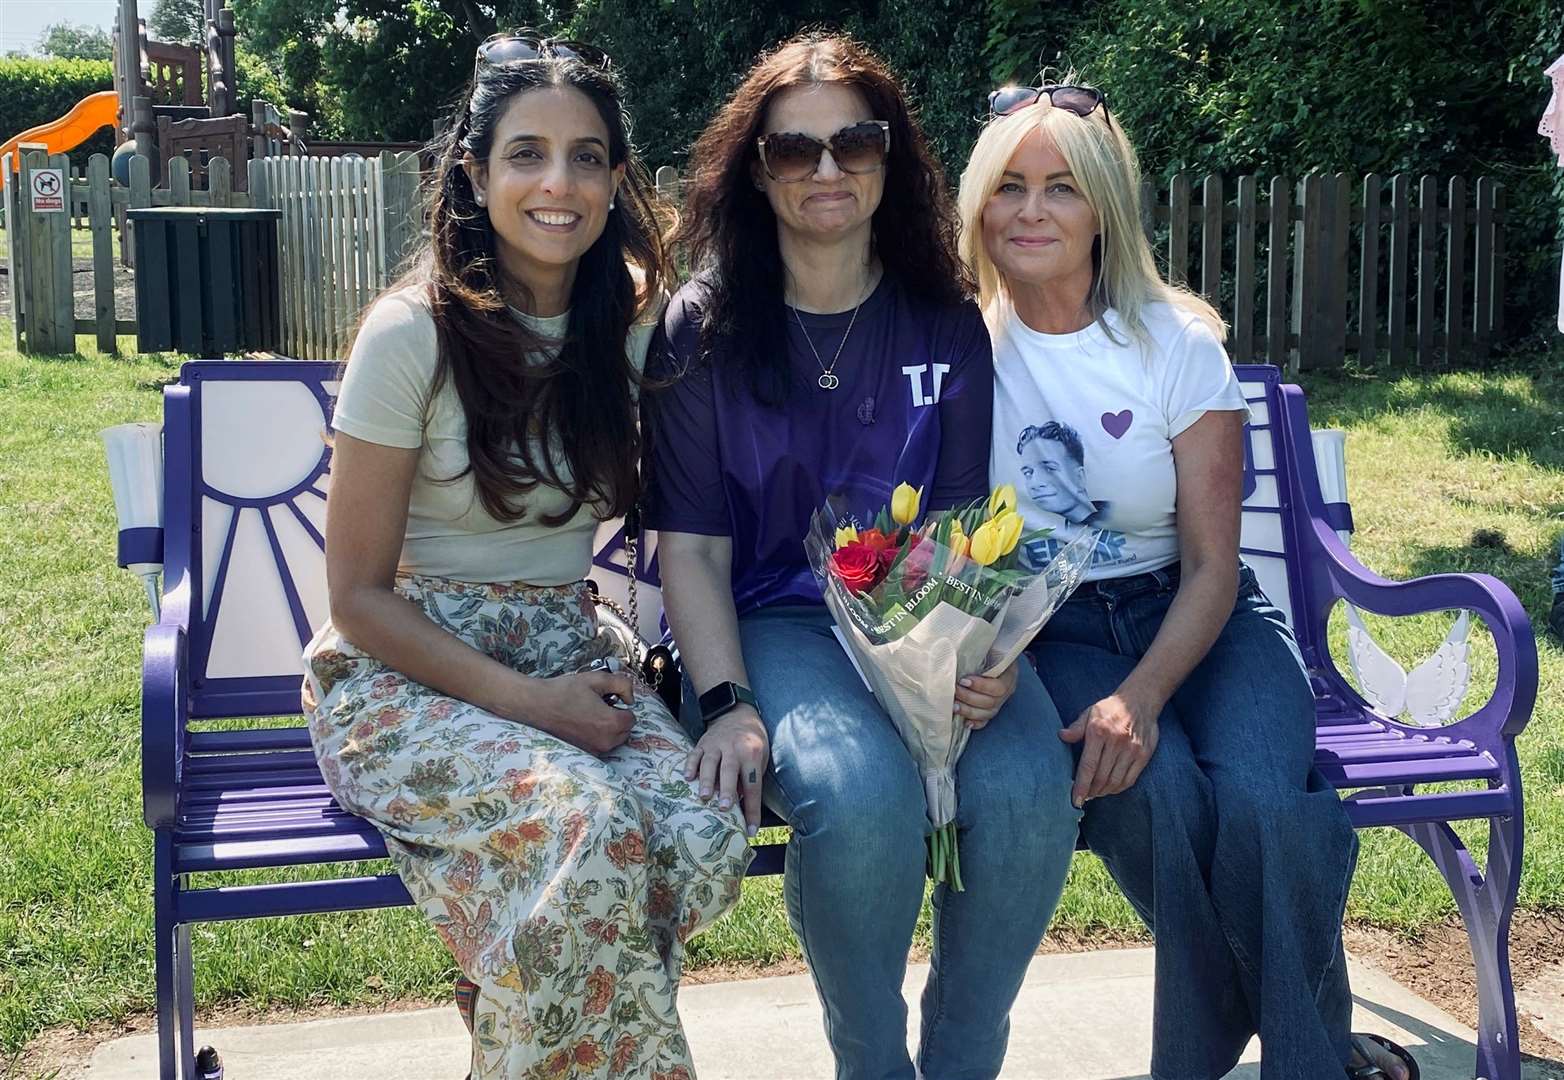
(730, 232)
(584, 396)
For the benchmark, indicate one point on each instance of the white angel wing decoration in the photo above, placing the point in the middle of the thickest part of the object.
(1382, 680)
(1436, 687)
(1430, 693)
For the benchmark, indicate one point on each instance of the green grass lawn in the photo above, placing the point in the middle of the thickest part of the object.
(1430, 459)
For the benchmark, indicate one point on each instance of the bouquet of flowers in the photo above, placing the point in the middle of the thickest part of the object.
(921, 601)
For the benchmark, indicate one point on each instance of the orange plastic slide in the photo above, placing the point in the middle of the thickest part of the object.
(71, 130)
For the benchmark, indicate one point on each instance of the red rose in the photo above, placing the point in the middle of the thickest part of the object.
(877, 541)
(857, 566)
(884, 546)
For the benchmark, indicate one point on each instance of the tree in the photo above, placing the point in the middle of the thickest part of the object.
(178, 20)
(67, 41)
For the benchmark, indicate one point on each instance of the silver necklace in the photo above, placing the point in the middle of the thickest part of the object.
(828, 379)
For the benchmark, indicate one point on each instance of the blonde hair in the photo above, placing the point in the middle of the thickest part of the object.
(1107, 173)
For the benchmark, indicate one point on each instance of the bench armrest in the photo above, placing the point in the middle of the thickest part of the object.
(1508, 711)
(165, 684)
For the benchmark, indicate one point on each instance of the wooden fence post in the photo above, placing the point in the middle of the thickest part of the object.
(1276, 272)
(50, 304)
(100, 216)
(1368, 273)
(1308, 278)
(1213, 206)
(1427, 275)
(15, 258)
(1333, 298)
(1455, 272)
(1178, 230)
(1243, 273)
(1482, 269)
(219, 181)
(1400, 285)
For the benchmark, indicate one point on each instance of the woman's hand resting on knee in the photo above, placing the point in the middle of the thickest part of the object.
(979, 699)
(732, 754)
(1119, 738)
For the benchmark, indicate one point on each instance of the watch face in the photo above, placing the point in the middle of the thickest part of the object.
(718, 699)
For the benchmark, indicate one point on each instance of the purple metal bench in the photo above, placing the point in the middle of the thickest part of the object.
(246, 475)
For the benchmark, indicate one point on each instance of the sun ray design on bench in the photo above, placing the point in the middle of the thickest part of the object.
(262, 490)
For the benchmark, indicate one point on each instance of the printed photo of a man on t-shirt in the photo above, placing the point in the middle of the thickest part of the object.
(1053, 467)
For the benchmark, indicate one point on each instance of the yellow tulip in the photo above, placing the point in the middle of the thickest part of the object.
(846, 535)
(959, 543)
(904, 503)
(1003, 499)
(986, 541)
(1010, 527)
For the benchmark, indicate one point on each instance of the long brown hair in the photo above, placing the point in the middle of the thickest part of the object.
(730, 231)
(527, 416)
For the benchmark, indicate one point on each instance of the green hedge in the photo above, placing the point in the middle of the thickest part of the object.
(35, 92)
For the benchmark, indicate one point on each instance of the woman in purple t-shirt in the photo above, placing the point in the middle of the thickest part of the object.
(828, 348)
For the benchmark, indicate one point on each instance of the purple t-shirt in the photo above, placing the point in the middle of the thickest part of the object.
(914, 404)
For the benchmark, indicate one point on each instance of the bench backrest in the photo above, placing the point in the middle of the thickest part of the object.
(248, 468)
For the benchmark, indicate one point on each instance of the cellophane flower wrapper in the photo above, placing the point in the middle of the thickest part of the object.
(913, 646)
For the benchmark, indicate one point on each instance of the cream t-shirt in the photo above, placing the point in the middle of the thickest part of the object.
(385, 399)
(1084, 427)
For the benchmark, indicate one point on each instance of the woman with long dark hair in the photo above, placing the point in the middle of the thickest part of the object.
(828, 347)
(533, 802)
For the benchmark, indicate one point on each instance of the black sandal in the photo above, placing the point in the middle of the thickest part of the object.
(1371, 1071)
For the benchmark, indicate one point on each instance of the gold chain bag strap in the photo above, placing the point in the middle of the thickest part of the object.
(654, 663)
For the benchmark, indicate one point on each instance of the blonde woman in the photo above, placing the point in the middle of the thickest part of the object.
(1115, 408)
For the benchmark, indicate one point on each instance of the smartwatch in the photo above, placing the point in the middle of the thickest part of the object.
(724, 698)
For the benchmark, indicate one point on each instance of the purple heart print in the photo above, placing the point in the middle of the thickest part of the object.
(1116, 424)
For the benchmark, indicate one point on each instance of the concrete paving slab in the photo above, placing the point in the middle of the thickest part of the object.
(1080, 1016)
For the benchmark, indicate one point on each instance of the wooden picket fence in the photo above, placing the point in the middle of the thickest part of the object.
(1327, 268)
(43, 304)
(1307, 273)
(1287, 270)
(347, 225)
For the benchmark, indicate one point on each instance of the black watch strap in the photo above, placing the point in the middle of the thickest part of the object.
(724, 698)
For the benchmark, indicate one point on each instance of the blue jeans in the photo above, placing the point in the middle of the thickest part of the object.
(844, 781)
(1558, 569)
(1231, 845)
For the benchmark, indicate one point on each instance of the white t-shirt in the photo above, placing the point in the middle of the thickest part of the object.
(385, 399)
(1084, 429)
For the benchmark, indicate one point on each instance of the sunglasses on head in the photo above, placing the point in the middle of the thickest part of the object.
(1081, 100)
(500, 49)
(790, 157)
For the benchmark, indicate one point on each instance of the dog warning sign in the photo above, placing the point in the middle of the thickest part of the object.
(48, 188)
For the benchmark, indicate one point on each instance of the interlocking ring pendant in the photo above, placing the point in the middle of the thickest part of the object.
(828, 381)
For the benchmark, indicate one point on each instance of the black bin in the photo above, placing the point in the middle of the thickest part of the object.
(207, 279)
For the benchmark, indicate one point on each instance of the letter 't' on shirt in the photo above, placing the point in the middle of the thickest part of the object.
(1084, 427)
(913, 405)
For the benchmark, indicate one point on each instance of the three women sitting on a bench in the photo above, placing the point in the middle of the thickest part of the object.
(563, 834)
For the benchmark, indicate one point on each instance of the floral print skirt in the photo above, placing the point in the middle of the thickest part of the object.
(565, 884)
